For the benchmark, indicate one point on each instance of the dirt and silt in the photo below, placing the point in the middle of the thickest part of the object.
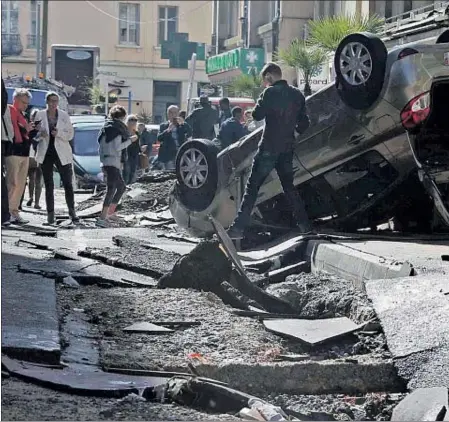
(218, 338)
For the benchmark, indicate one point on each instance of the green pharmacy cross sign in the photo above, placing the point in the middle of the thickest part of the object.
(178, 50)
(248, 60)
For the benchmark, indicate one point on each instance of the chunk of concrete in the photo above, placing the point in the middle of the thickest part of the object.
(102, 384)
(30, 327)
(423, 404)
(147, 328)
(312, 332)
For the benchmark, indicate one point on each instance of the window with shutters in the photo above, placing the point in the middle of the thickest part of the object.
(168, 23)
(129, 24)
(10, 17)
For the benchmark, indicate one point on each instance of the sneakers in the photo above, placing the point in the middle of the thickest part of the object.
(6, 224)
(235, 233)
(17, 219)
(104, 224)
(29, 203)
(37, 207)
(113, 217)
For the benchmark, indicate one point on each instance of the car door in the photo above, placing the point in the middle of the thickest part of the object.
(333, 135)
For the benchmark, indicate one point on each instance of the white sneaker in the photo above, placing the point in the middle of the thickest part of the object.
(105, 224)
(17, 219)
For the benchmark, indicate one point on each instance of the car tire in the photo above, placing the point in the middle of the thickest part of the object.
(359, 83)
(197, 186)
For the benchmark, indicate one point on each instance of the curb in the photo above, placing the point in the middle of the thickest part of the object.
(353, 265)
(309, 377)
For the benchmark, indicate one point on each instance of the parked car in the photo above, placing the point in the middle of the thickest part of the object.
(354, 165)
(86, 159)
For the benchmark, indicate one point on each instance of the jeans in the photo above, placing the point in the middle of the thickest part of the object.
(263, 164)
(130, 169)
(115, 186)
(51, 160)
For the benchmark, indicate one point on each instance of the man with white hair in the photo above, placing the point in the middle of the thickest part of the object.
(172, 134)
(17, 158)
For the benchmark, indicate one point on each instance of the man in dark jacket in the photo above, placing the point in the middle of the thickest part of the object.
(232, 130)
(202, 120)
(172, 134)
(283, 108)
(225, 111)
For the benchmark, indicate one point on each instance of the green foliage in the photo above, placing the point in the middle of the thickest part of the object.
(145, 117)
(328, 32)
(307, 59)
(245, 85)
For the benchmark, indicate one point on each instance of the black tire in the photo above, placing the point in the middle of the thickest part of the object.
(361, 93)
(198, 198)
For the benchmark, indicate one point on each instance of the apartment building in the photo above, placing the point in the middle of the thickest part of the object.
(121, 39)
(250, 31)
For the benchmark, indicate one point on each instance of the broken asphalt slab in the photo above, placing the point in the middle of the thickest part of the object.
(87, 271)
(30, 326)
(423, 404)
(147, 328)
(312, 332)
(102, 384)
(414, 313)
(353, 265)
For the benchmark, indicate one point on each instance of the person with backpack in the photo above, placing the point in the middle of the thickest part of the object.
(113, 139)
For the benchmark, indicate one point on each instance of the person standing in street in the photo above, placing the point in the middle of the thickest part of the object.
(17, 158)
(172, 134)
(202, 120)
(113, 138)
(232, 130)
(146, 139)
(283, 108)
(34, 172)
(54, 149)
(225, 111)
(131, 163)
(7, 131)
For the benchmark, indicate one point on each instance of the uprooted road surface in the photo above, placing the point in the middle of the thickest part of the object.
(142, 322)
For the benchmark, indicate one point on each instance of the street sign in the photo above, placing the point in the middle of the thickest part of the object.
(247, 60)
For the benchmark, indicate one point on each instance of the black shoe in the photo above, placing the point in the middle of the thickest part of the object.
(73, 216)
(29, 203)
(51, 218)
(235, 233)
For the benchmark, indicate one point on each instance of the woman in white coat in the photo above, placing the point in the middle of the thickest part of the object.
(54, 149)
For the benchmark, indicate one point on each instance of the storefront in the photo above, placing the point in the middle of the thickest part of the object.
(224, 67)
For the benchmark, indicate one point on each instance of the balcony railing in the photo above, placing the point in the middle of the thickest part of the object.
(32, 41)
(11, 45)
(415, 18)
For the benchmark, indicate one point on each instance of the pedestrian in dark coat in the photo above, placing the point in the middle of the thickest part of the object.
(172, 134)
(202, 120)
(283, 108)
(232, 130)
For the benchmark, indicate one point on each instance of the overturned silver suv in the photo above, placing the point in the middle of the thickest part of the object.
(374, 135)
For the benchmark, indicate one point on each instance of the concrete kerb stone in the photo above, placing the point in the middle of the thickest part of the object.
(353, 265)
(309, 377)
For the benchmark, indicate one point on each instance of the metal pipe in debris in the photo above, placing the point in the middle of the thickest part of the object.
(191, 79)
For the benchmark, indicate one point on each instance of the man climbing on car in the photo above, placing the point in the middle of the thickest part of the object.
(283, 108)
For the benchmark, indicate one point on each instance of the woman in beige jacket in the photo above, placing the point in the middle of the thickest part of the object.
(54, 149)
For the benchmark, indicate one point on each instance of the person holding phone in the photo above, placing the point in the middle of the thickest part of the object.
(172, 134)
(54, 149)
(114, 138)
(17, 154)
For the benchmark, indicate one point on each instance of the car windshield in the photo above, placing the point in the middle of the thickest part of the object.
(85, 141)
